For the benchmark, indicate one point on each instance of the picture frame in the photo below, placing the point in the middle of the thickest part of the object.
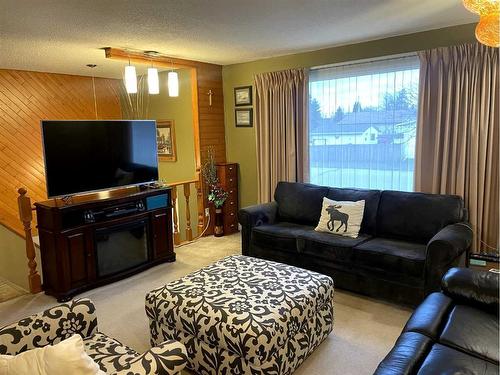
(243, 95)
(243, 117)
(165, 140)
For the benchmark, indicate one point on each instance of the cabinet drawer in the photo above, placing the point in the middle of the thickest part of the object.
(228, 175)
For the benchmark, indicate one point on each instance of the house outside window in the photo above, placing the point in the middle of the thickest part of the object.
(366, 113)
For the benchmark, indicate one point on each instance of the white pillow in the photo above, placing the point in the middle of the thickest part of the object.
(341, 217)
(67, 357)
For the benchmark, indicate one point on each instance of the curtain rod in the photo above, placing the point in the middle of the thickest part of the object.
(364, 61)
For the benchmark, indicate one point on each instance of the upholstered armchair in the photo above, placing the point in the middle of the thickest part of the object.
(78, 317)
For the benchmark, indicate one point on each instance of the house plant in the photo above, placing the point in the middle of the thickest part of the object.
(216, 194)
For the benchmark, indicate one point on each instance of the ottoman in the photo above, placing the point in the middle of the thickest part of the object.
(243, 315)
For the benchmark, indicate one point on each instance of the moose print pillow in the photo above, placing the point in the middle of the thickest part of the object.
(341, 217)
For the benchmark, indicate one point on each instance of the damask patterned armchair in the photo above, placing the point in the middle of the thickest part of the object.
(78, 317)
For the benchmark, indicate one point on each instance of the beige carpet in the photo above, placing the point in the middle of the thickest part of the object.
(365, 329)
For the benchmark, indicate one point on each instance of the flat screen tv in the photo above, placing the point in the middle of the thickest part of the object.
(86, 156)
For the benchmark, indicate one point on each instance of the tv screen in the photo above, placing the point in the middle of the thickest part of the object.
(84, 156)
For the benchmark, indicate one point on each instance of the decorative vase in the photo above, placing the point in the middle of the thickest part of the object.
(219, 223)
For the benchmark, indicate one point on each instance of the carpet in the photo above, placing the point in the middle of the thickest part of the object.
(365, 329)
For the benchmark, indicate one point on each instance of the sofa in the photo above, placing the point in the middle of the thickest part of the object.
(406, 243)
(452, 332)
(78, 317)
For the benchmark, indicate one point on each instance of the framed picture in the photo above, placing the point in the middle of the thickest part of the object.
(243, 95)
(243, 117)
(165, 139)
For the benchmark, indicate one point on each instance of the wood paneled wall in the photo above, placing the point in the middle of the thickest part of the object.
(28, 97)
(211, 118)
(25, 99)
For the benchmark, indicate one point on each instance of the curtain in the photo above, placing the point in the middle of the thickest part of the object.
(458, 133)
(281, 125)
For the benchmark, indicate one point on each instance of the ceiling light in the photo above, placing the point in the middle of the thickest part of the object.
(130, 79)
(487, 30)
(153, 81)
(173, 84)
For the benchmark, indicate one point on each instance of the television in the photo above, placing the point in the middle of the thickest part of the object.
(90, 155)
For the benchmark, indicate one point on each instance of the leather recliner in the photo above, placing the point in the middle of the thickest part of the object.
(452, 332)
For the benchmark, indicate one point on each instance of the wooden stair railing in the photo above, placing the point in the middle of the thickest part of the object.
(26, 216)
(186, 188)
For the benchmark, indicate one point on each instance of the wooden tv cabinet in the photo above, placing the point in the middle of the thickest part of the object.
(100, 238)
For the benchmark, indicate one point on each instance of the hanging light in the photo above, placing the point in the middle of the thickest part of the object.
(487, 30)
(173, 84)
(130, 79)
(153, 81)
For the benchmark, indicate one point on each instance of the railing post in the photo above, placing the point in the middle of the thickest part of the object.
(187, 193)
(26, 216)
(175, 214)
(199, 202)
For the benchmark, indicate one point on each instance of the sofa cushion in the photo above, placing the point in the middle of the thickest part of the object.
(371, 198)
(338, 249)
(280, 236)
(300, 203)
(341, 217)
(472, 331)
(445, 360)
(416, 216)
(392, 256)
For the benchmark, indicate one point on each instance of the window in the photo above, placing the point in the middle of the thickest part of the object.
(366, 113)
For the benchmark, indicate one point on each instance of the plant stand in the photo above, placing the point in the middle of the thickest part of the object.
(219, 223)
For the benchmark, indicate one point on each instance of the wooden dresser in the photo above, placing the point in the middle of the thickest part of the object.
(228, 177)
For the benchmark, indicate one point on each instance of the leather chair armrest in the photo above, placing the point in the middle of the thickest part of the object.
(253, 216)
(472, 287)
(442, 250)
(168, 358)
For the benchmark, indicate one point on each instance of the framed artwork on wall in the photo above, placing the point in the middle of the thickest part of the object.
(243, 117)
(165, 139)
(243, 95)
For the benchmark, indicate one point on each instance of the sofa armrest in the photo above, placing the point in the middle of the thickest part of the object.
(472, 287)
(253, 216)
(168, 358)
(49, 327)
(442, 250)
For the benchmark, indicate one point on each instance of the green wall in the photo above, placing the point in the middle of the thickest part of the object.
(179, 109)
(241, 142)
(13, 261)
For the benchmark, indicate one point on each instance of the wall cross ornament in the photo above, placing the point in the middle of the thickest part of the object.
(210, 93)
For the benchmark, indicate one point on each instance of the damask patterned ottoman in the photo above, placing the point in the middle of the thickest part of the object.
(243, 315)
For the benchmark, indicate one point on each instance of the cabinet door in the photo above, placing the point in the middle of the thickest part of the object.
(162, 234)
(77, 258)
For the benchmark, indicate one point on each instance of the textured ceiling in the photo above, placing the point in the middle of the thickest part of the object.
(64, 35)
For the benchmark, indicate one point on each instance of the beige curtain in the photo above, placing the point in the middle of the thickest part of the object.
(281, 108)
(458, 133)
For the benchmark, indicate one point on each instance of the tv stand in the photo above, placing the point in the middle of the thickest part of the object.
(103, 237)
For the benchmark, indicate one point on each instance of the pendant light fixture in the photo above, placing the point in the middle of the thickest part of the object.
(488, 28)
(173, 83)
(130, 79)
(153, 81)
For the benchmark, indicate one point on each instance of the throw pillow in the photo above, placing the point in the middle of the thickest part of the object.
(66, 357)
(341, 217)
